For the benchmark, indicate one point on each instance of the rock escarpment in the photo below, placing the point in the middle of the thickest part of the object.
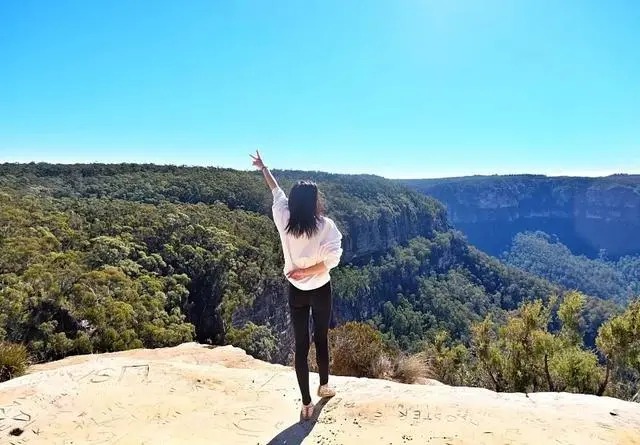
(196, 395)
(587, 214)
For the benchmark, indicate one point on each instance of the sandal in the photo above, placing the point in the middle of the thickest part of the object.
(325, 391)
(307, 411)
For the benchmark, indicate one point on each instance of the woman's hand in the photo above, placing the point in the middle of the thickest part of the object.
(257, 160)
(268, 177)
(319, 268)
(297, 274)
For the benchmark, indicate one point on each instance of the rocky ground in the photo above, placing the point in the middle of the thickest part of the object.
(193, 394)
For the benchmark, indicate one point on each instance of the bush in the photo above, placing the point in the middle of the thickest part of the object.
(412, 369)
(449, 364)
(14, 360)
(576, 370)
(383, 367)
(256, 340)
(357, 349)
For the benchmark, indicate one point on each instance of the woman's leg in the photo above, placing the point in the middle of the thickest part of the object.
(300, 320)
(321, 312)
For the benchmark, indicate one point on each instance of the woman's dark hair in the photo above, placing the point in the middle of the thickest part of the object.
(305, 209)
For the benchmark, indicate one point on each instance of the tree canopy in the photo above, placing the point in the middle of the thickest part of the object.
(100, 258)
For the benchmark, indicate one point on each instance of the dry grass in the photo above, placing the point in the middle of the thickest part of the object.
(14, 360)
(382, 367)
(412, 369)
(357, 350)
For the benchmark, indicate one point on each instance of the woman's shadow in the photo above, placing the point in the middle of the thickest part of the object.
(296, 433)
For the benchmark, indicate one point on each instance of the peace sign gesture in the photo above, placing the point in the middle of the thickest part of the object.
(257, 160)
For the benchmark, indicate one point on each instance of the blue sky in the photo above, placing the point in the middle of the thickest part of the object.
(400, 88)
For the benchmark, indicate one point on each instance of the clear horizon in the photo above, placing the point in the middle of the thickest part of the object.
(406, 89)
(565, 173)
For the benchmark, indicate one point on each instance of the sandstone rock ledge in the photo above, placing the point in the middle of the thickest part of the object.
(193, 394)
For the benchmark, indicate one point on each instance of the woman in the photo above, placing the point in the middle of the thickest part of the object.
(311, 244)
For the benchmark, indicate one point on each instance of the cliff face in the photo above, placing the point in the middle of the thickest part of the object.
(366, 236)
(587, 214)
(192, 394)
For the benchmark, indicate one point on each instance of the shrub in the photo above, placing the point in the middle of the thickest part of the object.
(383, 367)
(256, 340)
(356, 349)
(412, 369)
(576, 370)
(449, 364)
(14, 360)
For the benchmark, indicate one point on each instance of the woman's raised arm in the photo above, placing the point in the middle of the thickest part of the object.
(268, 177)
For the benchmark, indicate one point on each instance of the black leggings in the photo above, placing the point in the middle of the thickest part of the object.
(319, 301)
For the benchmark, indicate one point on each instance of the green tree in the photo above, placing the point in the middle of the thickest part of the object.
(451, 364)
(257, 341)
(619, 342)
(524, 356)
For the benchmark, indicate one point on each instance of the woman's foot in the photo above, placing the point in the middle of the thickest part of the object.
(307, 411)
(325, 391)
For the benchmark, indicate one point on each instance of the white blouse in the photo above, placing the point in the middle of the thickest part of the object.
(300, 253)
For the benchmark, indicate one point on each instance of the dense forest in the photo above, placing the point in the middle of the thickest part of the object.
(100, 258)
(586, 214)
(375, 213)
(545, 256)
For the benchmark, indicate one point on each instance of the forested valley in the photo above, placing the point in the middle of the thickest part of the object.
(97, 258)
